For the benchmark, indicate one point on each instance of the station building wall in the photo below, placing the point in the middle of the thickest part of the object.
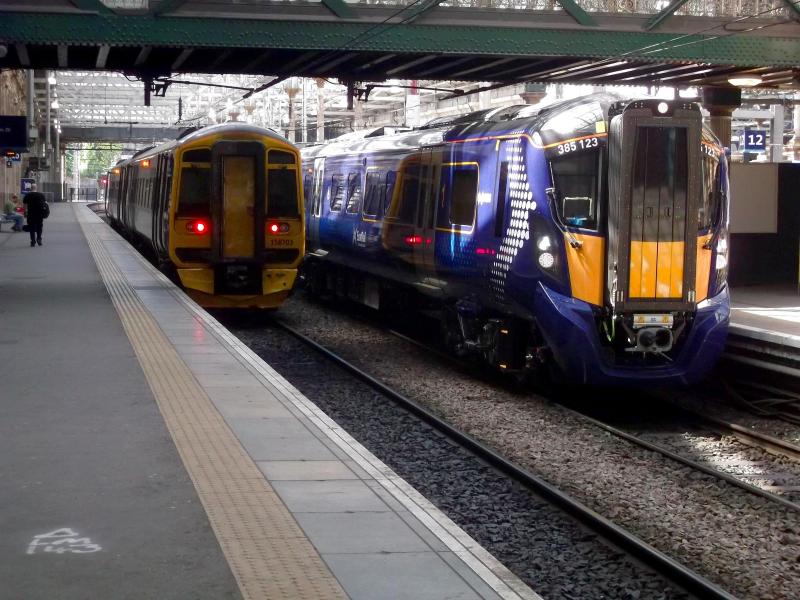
(764, 224)
(12, 102)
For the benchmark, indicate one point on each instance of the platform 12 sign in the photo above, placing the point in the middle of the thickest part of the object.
(755, 140)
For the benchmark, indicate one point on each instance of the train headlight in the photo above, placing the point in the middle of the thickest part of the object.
(546, 260)
(544, 244)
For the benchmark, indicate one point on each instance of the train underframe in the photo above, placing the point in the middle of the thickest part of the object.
(515, 344)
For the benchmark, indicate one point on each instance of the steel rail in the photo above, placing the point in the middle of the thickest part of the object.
(679, 574)
(685, 461)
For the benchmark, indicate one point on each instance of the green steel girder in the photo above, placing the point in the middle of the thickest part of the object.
(339, 8)
(577, 13)
(146, 30)
(666, 13)
(794, 5)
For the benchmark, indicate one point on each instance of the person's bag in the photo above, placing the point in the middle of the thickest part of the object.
(26, 227)
(45, 209)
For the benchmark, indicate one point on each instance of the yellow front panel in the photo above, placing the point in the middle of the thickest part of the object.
(649, 268)
(656, 270)
(238, 196)
(664, 270)
(676, 275)
(586, 268)
(703, 272)
(635, 280)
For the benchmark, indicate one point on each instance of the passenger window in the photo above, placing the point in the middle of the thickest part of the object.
(406, 212)
(372, 197)
(195, 192)
(388, 192)
(575, 179)
(336, 193)
(353, 193)
(282, 193)
(500, 210)
(460, 185)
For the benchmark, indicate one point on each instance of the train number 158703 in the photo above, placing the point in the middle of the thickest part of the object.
(573, 145)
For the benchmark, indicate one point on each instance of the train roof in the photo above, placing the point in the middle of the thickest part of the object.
(519, 117)
(203, 132)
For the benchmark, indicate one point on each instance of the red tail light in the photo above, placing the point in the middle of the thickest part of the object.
(198, 226)
(413, 240)
(275, 228)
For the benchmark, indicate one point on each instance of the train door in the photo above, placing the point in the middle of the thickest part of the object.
(161, 203)
(314, 211)
(238, 175)
(424, 235)
(656, 181)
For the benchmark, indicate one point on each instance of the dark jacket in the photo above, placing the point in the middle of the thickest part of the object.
(34, 202)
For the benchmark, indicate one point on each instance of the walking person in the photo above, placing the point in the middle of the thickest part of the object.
(36, 211)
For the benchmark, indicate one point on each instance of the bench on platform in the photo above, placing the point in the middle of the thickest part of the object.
(4, 220)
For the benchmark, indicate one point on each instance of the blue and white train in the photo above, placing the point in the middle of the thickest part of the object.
(587, 237)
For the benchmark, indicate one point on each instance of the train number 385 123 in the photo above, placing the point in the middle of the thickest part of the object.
(573, 145)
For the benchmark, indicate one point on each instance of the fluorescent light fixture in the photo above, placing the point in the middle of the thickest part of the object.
(51, 80)
(54, 104)
(745, 81)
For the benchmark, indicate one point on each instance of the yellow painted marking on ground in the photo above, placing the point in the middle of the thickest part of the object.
(268, 553)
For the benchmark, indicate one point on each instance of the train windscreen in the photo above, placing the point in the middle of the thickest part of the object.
(195, 192)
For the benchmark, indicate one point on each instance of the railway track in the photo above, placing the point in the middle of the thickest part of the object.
(666, 566)
(743, 434)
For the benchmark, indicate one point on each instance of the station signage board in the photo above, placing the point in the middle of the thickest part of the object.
(13, 133)
(755, 140)
(26, 185)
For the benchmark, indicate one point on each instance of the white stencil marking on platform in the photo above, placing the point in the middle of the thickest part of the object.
(62, 540)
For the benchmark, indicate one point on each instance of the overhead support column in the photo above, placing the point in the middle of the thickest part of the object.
(291, 91)
(776, 133)
(48, 146)
(320, 110)
(720, 103)
(32, 129)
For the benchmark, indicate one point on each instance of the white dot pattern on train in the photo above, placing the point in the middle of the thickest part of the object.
(520, 200)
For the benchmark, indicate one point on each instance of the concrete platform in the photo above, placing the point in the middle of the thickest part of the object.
(765, 320)
(148, 454)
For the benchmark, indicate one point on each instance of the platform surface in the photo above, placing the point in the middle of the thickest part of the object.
(148, 454)
(767, 313)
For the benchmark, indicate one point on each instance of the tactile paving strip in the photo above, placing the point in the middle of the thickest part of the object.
(268, 553)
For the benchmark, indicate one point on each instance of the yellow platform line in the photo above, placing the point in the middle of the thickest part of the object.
(268, 553)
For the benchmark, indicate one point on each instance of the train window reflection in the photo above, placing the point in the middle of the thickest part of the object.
(353, 193)
(406, 212)
(282, 193)
(575, 179)
(336, 192)
(195, 192)
(373, 197)
(708, 208)
(460, 183)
